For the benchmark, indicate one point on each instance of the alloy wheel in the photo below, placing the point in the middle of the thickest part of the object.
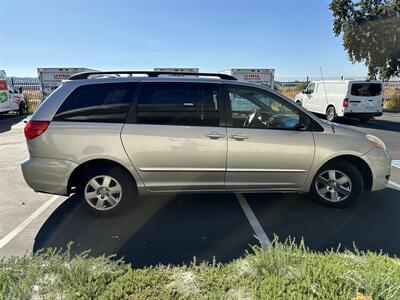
(103, 192)
(333, 185)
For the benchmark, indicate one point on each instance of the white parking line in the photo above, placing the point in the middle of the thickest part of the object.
(259, 231)
(396, 163)
(394, 184)
(4, 241)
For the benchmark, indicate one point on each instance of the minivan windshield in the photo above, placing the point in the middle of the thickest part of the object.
(366, 89)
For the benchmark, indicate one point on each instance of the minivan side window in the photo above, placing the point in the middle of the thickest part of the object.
(253, 108)
(106, 102)
(191, 104)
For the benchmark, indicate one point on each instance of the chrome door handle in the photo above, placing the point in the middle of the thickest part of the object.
(214, 135)
(238, 137)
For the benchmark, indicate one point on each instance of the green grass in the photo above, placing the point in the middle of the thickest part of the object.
(285, 271)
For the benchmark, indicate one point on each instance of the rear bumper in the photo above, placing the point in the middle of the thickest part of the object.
(48, 175)
(380, 162)
(362, 114)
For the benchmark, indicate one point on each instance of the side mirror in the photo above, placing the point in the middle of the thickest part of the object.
(304, 123)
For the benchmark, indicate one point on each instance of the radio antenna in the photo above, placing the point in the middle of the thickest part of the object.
(323, 82)
(326, 96)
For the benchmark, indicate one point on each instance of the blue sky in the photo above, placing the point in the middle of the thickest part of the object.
(293, 36)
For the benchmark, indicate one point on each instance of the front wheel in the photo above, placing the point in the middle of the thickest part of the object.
(107, 191)
(337, 184)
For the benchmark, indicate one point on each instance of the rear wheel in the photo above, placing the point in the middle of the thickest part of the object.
(337, 184)
(108, 191)
(331, 114)
(22, 109)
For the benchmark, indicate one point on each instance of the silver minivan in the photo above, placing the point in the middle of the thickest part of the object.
(111, 138)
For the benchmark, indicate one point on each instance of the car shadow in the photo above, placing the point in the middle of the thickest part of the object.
(371, 224)
(168, 229)
(9, 120)
(373, 124)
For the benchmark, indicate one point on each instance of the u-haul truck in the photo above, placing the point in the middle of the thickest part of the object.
(10, 98)
(51, 78)
(258, 76)
(177, 70)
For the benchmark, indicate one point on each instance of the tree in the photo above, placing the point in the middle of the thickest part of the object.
(371, 33)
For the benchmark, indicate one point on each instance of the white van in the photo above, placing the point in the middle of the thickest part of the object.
(343, 98)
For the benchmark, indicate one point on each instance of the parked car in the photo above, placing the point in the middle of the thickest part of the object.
(110, 139)
(343, 98)
(11, 99)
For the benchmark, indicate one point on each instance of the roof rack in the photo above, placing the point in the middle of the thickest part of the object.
(86, 75)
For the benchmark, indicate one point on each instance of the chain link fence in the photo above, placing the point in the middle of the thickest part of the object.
(30, 89)
(288, 86)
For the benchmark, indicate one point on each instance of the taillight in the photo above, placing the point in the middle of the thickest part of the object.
(35, 128)
(345, 102)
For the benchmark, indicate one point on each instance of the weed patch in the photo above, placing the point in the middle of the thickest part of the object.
(285, 271)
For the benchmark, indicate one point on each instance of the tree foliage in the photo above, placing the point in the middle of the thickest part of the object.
(371, 33)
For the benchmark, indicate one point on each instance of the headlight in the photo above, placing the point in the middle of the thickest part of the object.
(375, 141)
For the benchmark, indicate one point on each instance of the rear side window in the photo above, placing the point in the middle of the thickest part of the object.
(366, 89)
(97, 103)
(191, 104)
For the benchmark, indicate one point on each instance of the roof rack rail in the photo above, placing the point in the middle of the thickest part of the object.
(86, 75)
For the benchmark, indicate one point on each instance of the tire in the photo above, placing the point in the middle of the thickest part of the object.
(340, 190)
(298, 102)
(96, 187)
(22, 109)
(331, 114)
(364, 119)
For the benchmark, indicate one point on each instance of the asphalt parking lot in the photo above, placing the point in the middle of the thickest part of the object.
(175, 228)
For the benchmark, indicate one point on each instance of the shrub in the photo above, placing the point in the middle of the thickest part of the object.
(285, 271)
(393, 103)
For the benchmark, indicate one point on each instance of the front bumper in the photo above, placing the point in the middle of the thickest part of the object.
(48, 175)
(380, 163)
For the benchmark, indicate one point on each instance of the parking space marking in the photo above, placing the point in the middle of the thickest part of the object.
(396, 163)
(4, 241)
(259, 231)
(394, 184)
